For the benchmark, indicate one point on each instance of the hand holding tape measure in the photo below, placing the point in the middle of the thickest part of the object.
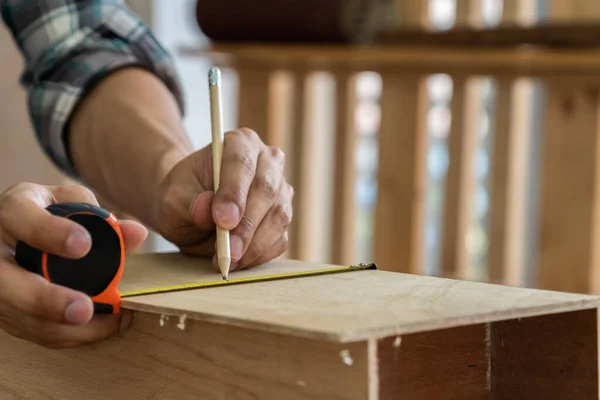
(96, 274)
(47, 227)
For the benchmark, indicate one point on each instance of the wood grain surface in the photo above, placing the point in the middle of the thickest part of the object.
(203, 361)
(339, 307)
(551, 357)
(450, 364)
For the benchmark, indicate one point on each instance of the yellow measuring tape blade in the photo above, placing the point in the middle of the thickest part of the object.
(263, 278)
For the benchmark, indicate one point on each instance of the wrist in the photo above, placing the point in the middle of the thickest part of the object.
(125, 138)
(164, 165)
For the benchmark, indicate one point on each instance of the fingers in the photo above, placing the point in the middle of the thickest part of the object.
(33, 295)
(59, 336)
(264, 191)
(134, 233)
(201, 211)
(270, 239)
(23, 217)
(238, 168)
(101, 327)
(274, 251)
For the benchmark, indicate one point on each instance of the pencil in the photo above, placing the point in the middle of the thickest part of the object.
(216, 116)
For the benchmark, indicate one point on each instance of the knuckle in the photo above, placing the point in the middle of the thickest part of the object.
(277, 153)
(79, 192)
(234, 134)
(249, 133)
(245, 226)
(242, 159)
(282, 215)
(290, 190)
(266, 185)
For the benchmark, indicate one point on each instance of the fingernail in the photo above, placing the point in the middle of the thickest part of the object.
(236, 247)
(79, 242)
(79, 311)
(228, 215)
(126, 318)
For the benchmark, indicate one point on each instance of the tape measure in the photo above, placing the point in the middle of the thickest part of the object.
(98, 273)
(262, 278)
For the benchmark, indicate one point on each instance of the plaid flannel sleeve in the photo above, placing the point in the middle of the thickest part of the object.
(67, 47)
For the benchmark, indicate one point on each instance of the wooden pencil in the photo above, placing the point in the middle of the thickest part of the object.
(216, 116)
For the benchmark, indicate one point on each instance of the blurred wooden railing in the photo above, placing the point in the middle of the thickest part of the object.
(281, 96)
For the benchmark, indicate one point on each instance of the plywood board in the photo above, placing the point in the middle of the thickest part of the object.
(547, 357)
(341, 307)
(202, 361)
(450, 364)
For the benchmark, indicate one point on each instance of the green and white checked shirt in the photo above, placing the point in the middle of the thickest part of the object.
(68, 46)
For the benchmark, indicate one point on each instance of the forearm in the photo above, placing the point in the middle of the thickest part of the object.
(97, 113)
(125, 137)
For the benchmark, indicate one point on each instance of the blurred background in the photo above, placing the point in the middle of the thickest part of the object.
(468, 131)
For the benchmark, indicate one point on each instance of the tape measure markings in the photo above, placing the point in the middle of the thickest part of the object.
(264, 278)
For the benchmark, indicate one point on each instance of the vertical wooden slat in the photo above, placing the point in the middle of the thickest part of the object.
(282, 121)
(499, 176)
(254, 102)
(282, 116)
(300, 171)
(519, 175)
(567, 255)
(452, 242)
(401, 178)
(509, 177)
(312, 165)
(343, 232)
(569, 189)
(458, 198)
(400, 208)
(509, 172)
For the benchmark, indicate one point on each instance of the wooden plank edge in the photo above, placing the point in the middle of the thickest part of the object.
(366, 334)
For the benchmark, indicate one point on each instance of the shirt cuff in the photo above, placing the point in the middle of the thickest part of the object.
(52, 100)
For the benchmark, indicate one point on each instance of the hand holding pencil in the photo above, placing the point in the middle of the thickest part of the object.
(228, 200)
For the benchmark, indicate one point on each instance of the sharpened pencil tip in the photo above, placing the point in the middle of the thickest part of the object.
(225, 278)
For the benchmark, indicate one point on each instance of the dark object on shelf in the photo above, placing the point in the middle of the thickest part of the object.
(341, 21)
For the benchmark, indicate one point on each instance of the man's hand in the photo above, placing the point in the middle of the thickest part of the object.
(32, 308)
(128, 142)
(254, 201)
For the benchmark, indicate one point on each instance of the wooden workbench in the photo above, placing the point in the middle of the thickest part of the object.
(360, 335)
